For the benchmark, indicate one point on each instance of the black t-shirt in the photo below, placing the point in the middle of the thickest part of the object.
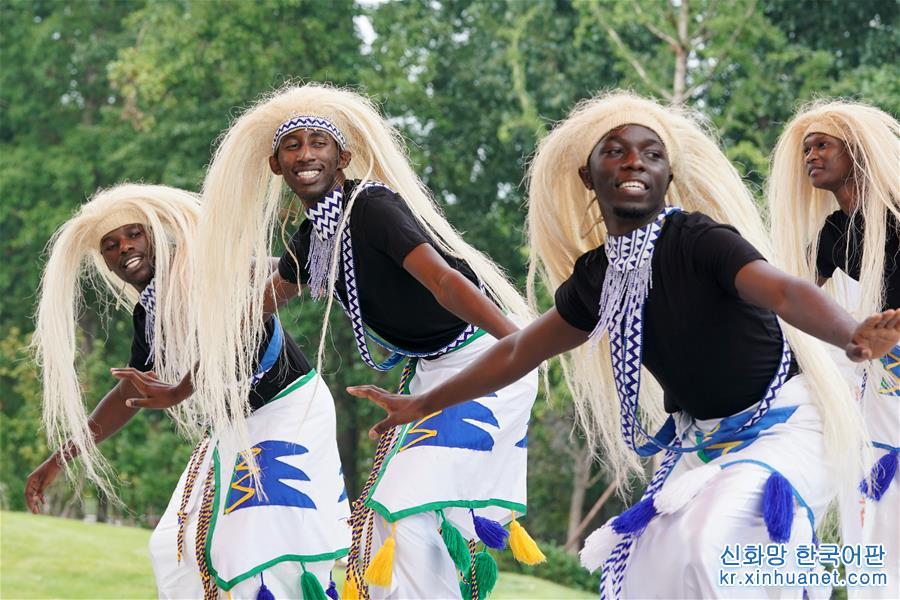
(713, 353)
(291, 363)
(841, 247)
(394, 305)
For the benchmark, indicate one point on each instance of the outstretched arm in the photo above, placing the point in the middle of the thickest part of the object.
(455, 292)
(809, 309)
(507, 361)
(110, 415)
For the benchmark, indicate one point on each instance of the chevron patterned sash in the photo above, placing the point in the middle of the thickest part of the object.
(147, 299)
(325, 217)
(352, 307)
(626, 286)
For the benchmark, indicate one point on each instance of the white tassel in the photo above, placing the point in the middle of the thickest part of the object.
(676, 494)
(598, 546)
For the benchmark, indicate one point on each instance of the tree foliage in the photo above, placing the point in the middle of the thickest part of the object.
(94, 92)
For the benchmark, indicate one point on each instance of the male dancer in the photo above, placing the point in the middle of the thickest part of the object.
(834, 194)
(375, 240)
(222, 530)
(694, 303)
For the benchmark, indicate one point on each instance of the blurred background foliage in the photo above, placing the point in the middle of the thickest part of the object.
(94, 92)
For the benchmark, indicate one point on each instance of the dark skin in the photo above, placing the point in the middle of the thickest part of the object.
(312, 165)
(636, 154)
(829, 166)
(128, 253)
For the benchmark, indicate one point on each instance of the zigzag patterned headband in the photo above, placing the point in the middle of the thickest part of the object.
(308, 122)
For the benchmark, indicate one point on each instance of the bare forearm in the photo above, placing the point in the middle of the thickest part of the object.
(109, 416)
(460, 296)
(507, 361)
(807, 308)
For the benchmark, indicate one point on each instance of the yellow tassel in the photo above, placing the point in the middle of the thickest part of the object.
(351, 590)
(382, 566)
(523, 547)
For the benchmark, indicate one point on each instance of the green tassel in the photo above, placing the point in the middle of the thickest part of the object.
(464, 590)
(456, 545)
(485, 573)
(311, 588)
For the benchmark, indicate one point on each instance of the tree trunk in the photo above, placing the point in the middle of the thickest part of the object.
(580, 480)
(682, 51)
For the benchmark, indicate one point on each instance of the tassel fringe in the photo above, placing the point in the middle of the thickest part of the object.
(676, 494)
(264, 593)
(598, 546)
(351, 589)
(311, 588)
(880, 478)
(456, 545)
(778, 507)
(524, 548)
(381, 568)
(635, 519)
(491, 533)
(485, 573)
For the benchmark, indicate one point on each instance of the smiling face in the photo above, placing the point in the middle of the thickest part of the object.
(128, 252)
(629, 172)
(311, 163)
(829, 165)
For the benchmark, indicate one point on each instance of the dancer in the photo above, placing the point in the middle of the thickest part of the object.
(689, 298)
(834, 194)
(375, 240)
(223, 529)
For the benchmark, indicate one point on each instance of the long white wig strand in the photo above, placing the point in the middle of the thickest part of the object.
(242, 199)
(564, 222)
(170, 217)
(798, 210)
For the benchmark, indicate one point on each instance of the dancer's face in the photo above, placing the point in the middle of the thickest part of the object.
(828, 162)
(128, 253)
(629, 172)
(311, 163)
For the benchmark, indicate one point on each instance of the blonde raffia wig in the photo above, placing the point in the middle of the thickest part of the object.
(798, 210)
(242, 199)
(564, 222)
(170, 217)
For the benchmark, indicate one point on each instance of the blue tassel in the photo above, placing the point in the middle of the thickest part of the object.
(881, 477)
(491, 533)
(264, 593)
(332, 592)
(636, 518)
(778, 508)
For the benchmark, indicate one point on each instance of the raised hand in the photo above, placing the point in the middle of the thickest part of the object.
(156, 394)
(39, 480)
(400, 408)
(875, 336)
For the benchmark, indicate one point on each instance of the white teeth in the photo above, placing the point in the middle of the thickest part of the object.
(132, 262)
(633, 185)
(307, 174)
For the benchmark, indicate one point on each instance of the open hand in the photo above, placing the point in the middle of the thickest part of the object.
(38, 481)
(401, 408)
(875, 336)
(156, 394)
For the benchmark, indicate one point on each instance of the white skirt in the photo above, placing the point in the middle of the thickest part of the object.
(249, 538)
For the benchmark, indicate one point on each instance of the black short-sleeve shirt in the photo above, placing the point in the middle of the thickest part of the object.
(841, 247)
(713, 353)
(291, 363)
(394, 305)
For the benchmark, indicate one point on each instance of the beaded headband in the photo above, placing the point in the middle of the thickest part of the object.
(308, 122)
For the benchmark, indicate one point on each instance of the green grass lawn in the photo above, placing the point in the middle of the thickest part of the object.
(46, 557)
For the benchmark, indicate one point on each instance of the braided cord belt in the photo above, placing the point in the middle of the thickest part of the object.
(210, 590)
(362, 518)
(194, 463)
